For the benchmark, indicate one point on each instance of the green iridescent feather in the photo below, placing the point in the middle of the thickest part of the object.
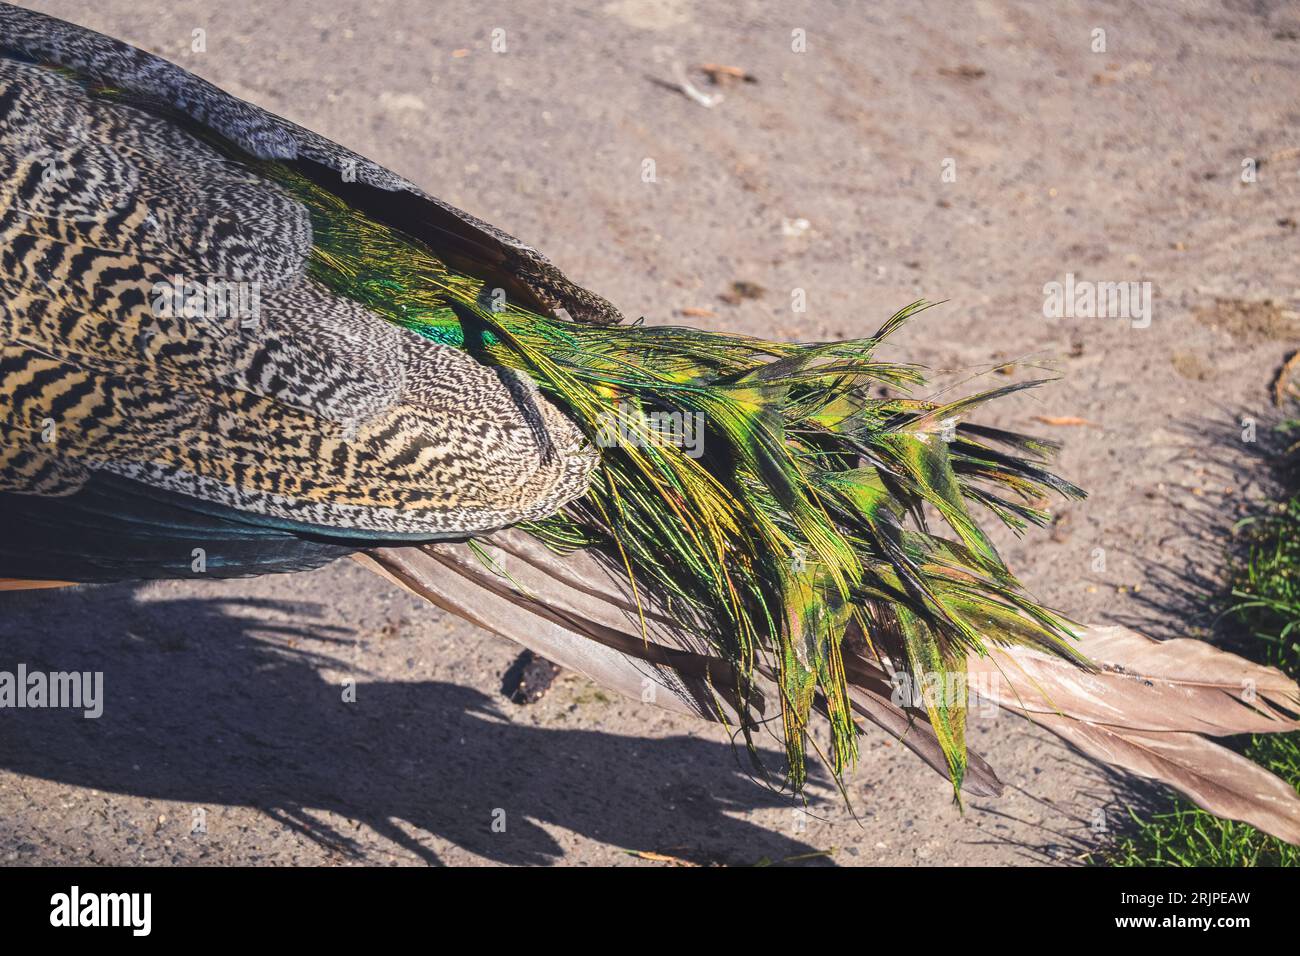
(806, 509)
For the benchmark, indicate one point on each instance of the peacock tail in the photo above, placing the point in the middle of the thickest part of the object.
(799, 504)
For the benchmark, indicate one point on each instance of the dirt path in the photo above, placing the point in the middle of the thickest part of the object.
(1122, 166)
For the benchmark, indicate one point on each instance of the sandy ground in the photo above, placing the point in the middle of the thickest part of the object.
(224, 737)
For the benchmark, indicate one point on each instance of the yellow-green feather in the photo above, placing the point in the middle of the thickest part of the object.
(793, 519)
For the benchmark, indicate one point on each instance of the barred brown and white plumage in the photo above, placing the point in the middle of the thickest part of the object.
(313, 410)
(409, 385)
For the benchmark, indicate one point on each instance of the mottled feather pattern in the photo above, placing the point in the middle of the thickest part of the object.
(312, 409)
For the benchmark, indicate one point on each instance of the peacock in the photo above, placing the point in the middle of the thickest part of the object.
(231, 347)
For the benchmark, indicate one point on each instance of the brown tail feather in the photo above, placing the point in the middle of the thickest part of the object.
(1145, 708)
(1142, 710)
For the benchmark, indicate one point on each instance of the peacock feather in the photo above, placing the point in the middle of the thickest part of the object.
(802, 507)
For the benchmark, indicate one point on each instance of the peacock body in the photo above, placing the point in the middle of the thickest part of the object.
(224, 335)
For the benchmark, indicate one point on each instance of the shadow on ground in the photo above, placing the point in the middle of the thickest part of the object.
(1186, 591)
(208, 705)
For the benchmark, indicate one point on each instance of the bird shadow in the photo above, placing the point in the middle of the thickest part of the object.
(1080, 831)
(1184, 594)
(209, 704)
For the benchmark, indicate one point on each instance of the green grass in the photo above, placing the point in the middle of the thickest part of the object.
(1265, 602)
